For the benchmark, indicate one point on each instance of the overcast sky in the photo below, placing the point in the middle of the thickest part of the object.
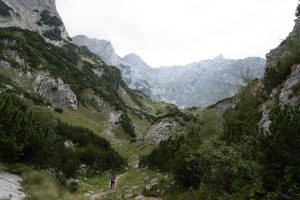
(177, 32)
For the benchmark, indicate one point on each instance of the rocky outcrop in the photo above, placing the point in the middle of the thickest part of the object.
(58, 93)
(35, 15)
(163, 130)
(290, 93)
(223, 105)
(10, 187)
(197, 84)
(265, 122)
(103, 48)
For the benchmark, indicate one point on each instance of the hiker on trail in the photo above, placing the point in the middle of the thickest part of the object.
(112, 182)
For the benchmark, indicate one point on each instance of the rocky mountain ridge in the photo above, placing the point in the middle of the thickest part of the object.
(200, 83)
(34, 15)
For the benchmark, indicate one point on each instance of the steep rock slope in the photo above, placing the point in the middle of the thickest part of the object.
(34, 15)
(197, 84)
(103, 48)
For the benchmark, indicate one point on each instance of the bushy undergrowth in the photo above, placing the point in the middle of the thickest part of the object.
(238, 162)
(49, 20)
(34, 136)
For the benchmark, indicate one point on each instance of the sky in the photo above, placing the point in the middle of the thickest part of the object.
(178, 32)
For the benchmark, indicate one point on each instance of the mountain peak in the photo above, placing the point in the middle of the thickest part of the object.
(135, 60)
(219, 57)
(132, 56)
(103, 48)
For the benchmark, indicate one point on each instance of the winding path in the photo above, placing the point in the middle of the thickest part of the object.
(101, 194)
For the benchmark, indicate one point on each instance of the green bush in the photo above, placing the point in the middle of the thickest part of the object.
(34, 136)
(4, 9)
(49, 20)
(281, 152)
(20, 139)
(54, 34)
(59, 110)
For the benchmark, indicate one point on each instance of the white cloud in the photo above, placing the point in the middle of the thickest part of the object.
(169, 32)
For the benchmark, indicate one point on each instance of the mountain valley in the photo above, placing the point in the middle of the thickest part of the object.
(74, 115)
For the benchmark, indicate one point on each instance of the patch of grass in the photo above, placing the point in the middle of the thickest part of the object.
(83, 117)
(38, 184)
(95, 183)
(125, 154)
(41, 185)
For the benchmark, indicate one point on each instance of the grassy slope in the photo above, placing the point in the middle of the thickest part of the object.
(83, 117)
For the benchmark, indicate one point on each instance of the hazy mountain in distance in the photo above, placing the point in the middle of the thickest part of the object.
(197, 84)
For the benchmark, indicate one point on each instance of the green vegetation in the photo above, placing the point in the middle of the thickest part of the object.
(63, 62)
(54, 34)
(59, 110)
(34, 136)
(40, 184)
(83, 117)
(4, 9)
(237, 162)
(49, 20)
(289, 57)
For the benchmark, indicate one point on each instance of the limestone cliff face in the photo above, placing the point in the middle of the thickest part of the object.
(56, 91)
(35, 15)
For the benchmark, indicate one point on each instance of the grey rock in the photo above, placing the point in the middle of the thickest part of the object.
(26, 15)
(287, 94)
(152, 183)
(128, 196)
(55, 90)
(265, 122)
(114, 117)
(10, 187)
(163, 130)
(103, 48)
(139, 197)
(200, 83)
(5, 65)
(223, 105)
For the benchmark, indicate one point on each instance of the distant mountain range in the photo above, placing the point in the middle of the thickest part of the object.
(197, 84)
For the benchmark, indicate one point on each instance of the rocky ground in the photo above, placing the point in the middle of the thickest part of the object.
(10, 187)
